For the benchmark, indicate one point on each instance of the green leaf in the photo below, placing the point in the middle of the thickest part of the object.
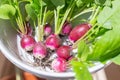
(49, 16)
(58, 2)
(49, 4)
(79, 3)
(108, 12)
(100, 2)
(83, 50)
(81, 71)
(108, 45)
(4, 2)
(31, 11)
(103, 2)
(7, 11)
(116, 60)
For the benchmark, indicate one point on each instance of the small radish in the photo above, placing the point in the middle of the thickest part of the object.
(79, 31)
(53, 42)
(59, 65)
(64, 52)
(47, 30)
(66, 29)
(27, 42)
(40, 50)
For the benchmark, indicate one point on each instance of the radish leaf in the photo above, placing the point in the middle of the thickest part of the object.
(58, 2)
(7, 11)
(107, 46)
(83, 50)
(81, 71)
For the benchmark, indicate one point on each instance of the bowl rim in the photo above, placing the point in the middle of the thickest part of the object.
(43, 74)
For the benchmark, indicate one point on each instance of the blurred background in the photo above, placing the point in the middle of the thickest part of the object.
(8, 72)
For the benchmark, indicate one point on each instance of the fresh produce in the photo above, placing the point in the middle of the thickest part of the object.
(39, 50)
(53, 42)
(47, 30)
(65, 34)
(79, 31)
(59, 65)
(66, 29)
(64, 52)
(27, 42)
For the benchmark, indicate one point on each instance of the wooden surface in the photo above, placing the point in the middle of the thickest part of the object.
(6, 67)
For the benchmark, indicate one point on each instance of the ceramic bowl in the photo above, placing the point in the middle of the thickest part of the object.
(8, 46)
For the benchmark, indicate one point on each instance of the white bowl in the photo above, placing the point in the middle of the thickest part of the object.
(8, 45)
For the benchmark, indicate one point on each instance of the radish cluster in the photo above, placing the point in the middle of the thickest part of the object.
(54, 43)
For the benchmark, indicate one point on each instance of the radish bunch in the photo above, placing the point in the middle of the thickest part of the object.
(54, 43)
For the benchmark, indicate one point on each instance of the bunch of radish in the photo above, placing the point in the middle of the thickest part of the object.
(54, 42)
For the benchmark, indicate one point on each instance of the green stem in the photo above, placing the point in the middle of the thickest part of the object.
(55, 16)
(83, 12)
(40, 31)
(56, 13)
(44, 18)
(94, 15)
(71, 12)
(65, 16)
(19, 19)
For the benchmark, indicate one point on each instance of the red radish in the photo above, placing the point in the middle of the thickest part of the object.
(79, 31)
(64, 52)
(47, 30)
(67, 27)
(53, 42)
(39, 50)
(59, 65)
(27, 42)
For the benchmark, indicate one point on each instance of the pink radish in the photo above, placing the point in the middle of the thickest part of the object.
(79, 31)
(67, 27)
(27, 42)
(47, 30)
(64, 52)
(53, 42)
(39, 50)
(59, 65)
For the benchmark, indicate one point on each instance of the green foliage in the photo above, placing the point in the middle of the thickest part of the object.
(31, 11)
(108, 45)
(103, 2)
(7, 11)
(81, 71)
(101, 43)
(58, 2)
(83, 50)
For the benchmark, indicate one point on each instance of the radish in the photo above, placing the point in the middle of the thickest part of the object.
(67, 27)
(53, 42)
(59, 65)
(40, 50)
(47, 30)
(27, 42)
(79, 31)
(64, 52)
